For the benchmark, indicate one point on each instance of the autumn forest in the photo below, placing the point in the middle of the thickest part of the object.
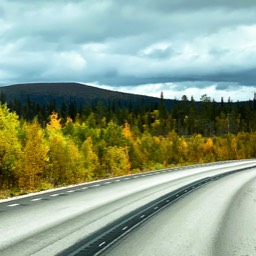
(43, 147)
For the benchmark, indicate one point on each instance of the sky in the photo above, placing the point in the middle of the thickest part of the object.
(179, 47)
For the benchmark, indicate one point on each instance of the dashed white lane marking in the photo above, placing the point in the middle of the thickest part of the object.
(96, 185)
(126, 178)
(71, 191)
(85, 188)
(106, 183)
(35, 199)
(156, 208)
(142, 216)
(55, 195)
(117, 180)
(124, 228)
(12, 205)
(102, 244)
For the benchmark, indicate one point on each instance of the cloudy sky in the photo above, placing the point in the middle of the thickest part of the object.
(180, 47)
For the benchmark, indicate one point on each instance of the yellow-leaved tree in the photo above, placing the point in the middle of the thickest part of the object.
(90, 159)
(10, 148)
(34, 158)
(65, 161)
(54, 123)
(208, 150)
(114, 161)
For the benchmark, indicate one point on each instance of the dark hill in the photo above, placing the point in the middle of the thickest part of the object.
(44, 93)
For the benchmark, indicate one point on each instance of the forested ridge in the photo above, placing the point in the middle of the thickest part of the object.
(46, 146)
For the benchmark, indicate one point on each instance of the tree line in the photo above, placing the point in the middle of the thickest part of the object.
(37, 154)
(186, 117)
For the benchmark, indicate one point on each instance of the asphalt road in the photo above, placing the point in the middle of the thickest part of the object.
(215, 220)
(47, 223)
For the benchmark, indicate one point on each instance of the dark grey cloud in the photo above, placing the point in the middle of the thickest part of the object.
(182, 5)
(128, 43)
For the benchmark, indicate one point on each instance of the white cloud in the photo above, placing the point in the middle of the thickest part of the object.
(172, 91)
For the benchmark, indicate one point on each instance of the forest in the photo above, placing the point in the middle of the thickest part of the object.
(43, 147)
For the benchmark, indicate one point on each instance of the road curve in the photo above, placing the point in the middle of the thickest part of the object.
(47, 223)
(217, 219)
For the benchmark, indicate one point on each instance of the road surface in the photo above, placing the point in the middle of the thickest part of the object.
(215, 220)
(47, 223)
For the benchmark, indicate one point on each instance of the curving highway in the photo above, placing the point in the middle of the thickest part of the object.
(217, 219)
(48, 223)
